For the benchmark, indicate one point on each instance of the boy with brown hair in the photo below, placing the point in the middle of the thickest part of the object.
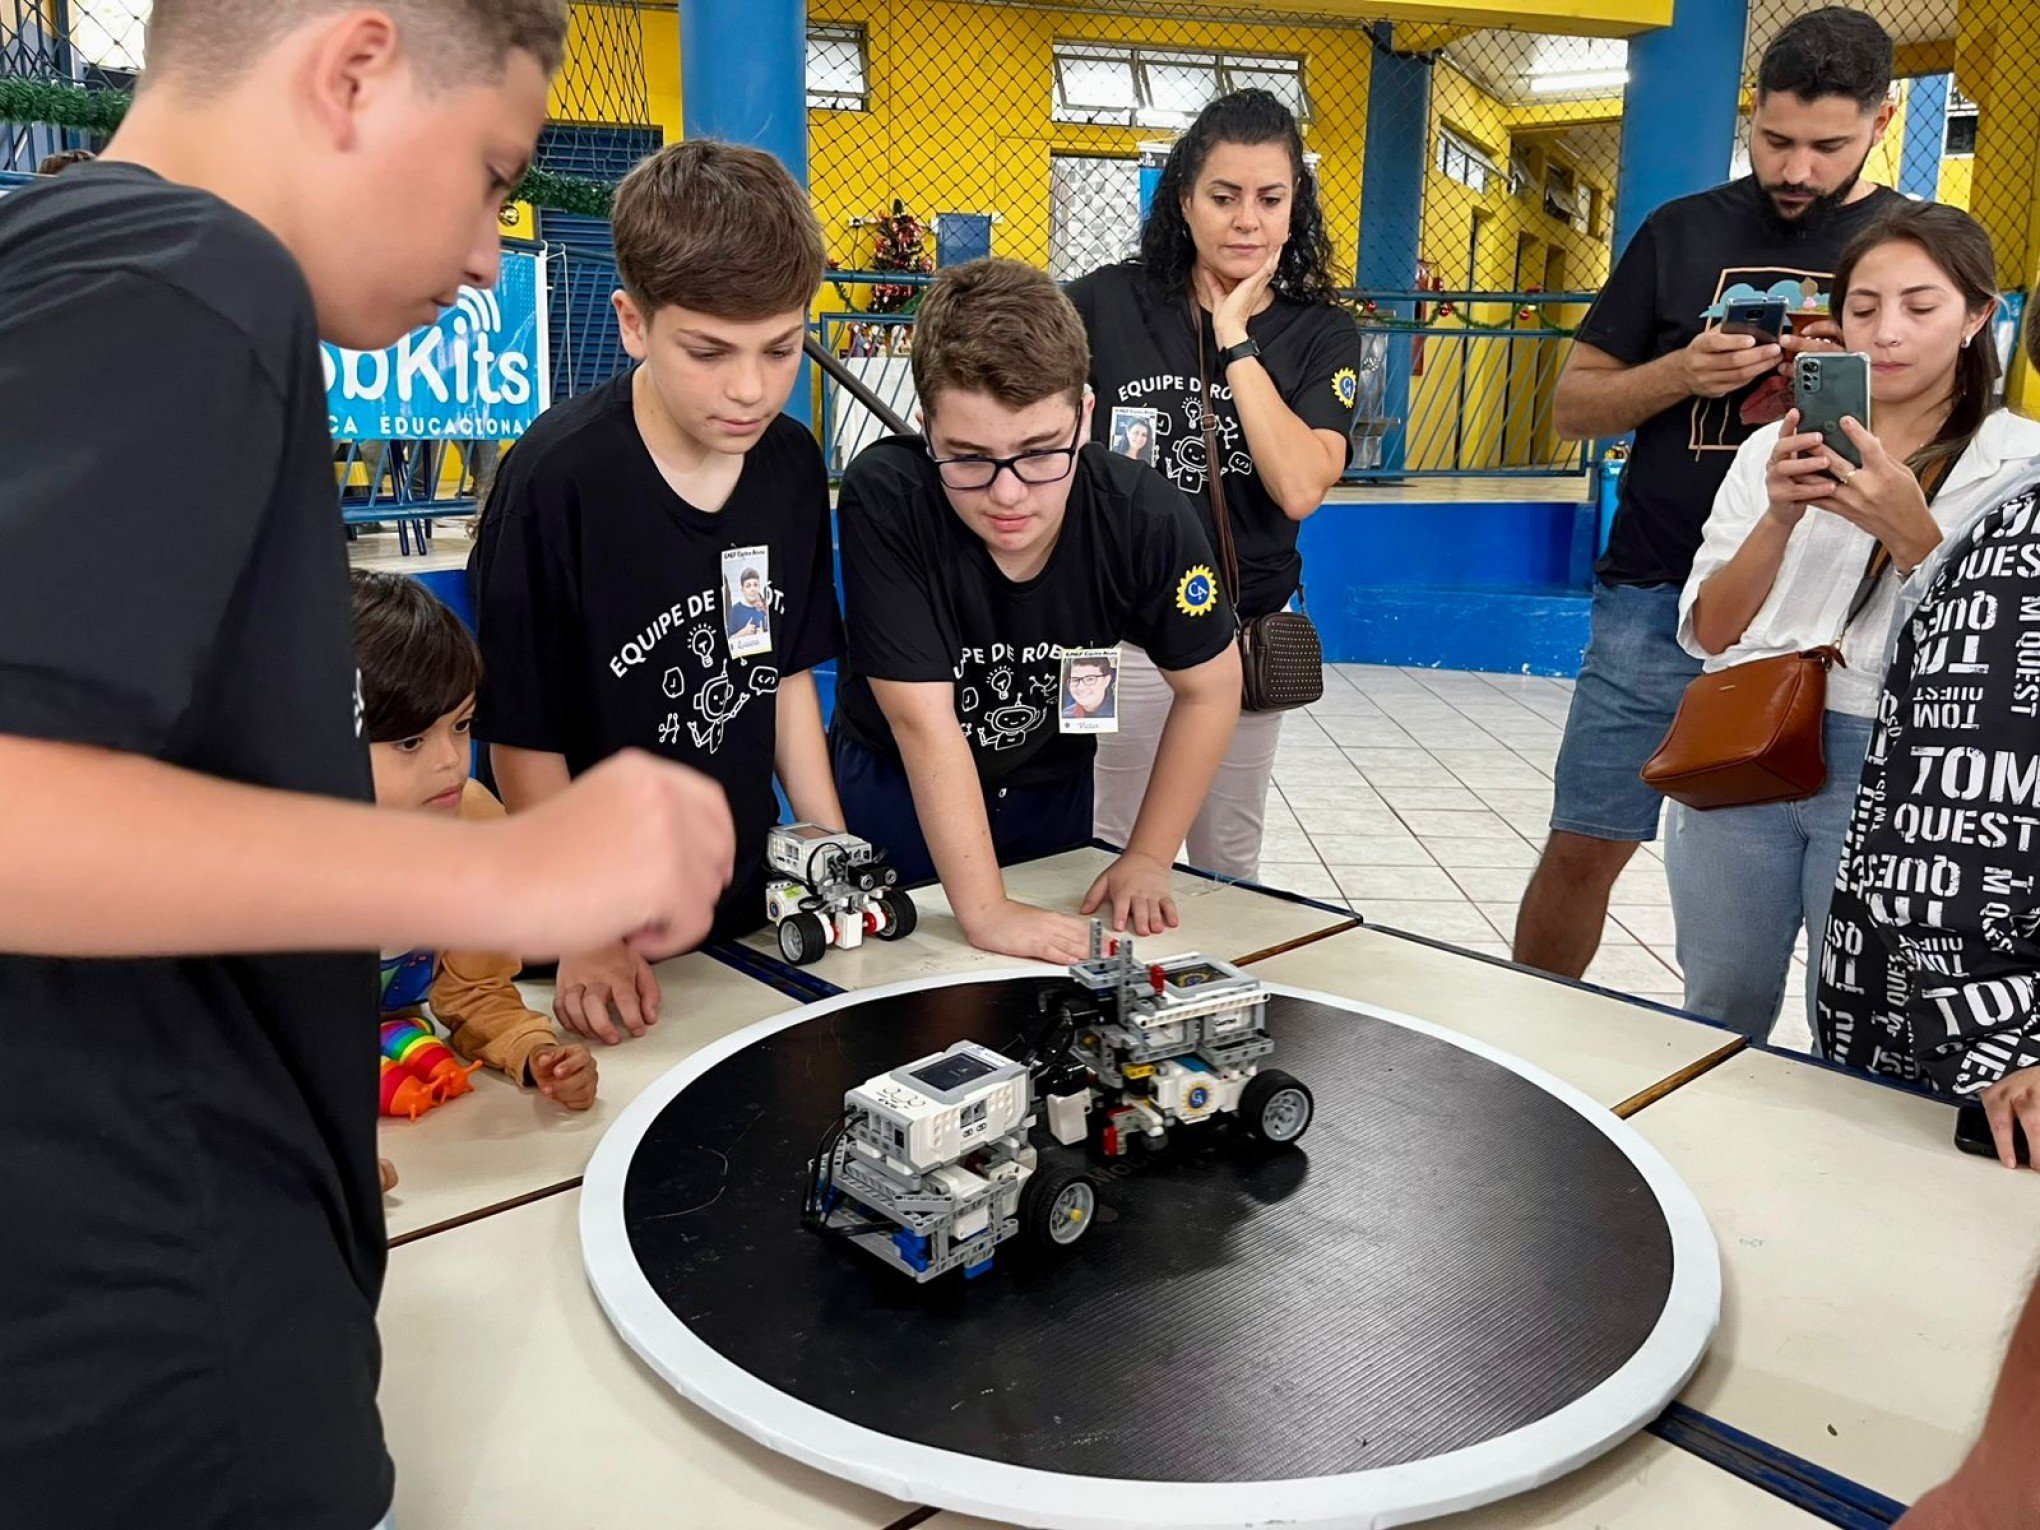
(195, 1238)
(654, 570)
(974, 558)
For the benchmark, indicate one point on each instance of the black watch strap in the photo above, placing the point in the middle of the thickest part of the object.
(1246, 350)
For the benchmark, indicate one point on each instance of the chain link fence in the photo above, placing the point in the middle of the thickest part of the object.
(1966, 124)
(1466, 175)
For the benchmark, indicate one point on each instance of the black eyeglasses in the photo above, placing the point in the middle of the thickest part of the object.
(1034, 468)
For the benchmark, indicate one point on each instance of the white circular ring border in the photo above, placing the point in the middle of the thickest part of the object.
(914, 1473)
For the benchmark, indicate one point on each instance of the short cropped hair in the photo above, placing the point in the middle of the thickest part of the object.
(455, 42)
(717, 228)
(64, 159)
(417, 661)
(1836, 51)
(1000, 328)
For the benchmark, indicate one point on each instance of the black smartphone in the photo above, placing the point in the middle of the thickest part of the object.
(1764, 318)
(1972, 1135)
(1827, 385)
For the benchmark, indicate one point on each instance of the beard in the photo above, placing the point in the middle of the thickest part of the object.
(1817, 212)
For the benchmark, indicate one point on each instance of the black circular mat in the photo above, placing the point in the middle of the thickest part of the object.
(1452, 1253)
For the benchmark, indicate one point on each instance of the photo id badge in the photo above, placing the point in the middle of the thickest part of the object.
(1133, 434)
(747, 600)
(1090, 690)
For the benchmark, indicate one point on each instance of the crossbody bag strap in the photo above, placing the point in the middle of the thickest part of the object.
(1228, 556)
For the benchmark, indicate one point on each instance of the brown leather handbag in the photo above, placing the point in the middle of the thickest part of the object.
(1751, 733)
(1282, 661)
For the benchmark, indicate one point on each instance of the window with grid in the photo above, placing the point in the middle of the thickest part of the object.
(1163, 88)
(837, 77)
(1094, 213)
(1460, 159)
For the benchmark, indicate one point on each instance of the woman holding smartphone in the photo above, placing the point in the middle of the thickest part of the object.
(1799, 536)
(1229, 305)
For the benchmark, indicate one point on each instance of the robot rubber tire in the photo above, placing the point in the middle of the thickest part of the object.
(899, 912)
(802, 938)
(1276, 1108)
(1057, 1207)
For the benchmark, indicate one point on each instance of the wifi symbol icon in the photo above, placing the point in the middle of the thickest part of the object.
(483, 313)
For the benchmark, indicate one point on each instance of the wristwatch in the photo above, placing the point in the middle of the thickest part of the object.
(1246, 350)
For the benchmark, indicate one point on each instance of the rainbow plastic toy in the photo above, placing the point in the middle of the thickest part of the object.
(419, 1071)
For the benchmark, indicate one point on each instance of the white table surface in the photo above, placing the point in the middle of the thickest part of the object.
(509, 1402)
(501, 1142)
(1871, 1272)
(1217, 919)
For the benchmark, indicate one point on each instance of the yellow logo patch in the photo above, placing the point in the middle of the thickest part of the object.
(1197, 592)
(1346, 387)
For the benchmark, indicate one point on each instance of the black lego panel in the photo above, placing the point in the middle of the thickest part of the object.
(1451, 1253)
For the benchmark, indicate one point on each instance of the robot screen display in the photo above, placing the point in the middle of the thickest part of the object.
(810, 832)
(1196, 977)
(948, 1073)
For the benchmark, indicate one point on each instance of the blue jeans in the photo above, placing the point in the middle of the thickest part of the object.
(1744, 880)
(1629, 687)
(1027, 822)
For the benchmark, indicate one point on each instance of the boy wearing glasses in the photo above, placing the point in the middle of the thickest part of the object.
(974, 558)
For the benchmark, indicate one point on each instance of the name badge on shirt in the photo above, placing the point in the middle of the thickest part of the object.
(1134, 432)
(1090, 690)
(747, 600)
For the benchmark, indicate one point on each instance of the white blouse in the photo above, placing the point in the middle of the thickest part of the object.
(1824, 561)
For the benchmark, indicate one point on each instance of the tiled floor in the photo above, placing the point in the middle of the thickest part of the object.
(1422, 797)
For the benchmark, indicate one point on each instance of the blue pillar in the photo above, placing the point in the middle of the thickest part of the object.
(1679, 109)
(1926, 127)
(1391, 210)
(743, 77)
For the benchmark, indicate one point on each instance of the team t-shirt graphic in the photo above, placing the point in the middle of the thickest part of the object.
(694, 647)
(1723, 424)
(1006, 693)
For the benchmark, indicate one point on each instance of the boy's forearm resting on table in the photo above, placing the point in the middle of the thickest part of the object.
(474, 995)
(1203, 712)
(948, 801)
(117, 855)
(802, 755)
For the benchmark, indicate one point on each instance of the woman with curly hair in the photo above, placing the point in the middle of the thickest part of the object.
(1231, 300)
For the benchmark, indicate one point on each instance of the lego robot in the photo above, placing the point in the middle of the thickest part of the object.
(830, 889)
(930, 1168)
(1167, 1046)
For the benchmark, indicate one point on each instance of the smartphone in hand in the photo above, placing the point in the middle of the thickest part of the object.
(1827, 385)
(1973, 1135)
(1763, 319)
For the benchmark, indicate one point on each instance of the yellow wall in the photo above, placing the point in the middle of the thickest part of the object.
(1486, 401)
(960, 107)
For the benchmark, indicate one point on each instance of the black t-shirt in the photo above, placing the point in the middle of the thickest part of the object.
(1144, 373)
(1690, 257)
(194, 1235)
(613, 614)
(927, 603)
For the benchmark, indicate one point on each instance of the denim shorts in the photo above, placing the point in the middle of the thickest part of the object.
(1629, 688)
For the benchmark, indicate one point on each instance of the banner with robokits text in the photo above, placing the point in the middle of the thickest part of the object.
(482, 373)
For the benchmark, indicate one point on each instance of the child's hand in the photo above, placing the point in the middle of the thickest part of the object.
(564, 1075)
(594, 983)
(388, 1171)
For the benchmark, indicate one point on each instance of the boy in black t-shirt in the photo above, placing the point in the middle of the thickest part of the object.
(975, 560)
(654, 570)
(194, 1229)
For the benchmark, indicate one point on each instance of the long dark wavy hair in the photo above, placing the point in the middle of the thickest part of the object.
(1167, 252)
(1956, 243)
